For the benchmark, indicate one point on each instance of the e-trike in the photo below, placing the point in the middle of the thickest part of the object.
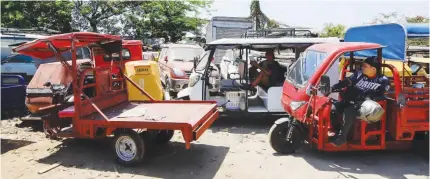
(233, 98)
(101, 108)
(306, 98)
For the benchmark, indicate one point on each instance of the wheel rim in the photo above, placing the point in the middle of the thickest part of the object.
(126, 148)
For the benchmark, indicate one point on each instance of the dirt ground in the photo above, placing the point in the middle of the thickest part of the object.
(231, 148)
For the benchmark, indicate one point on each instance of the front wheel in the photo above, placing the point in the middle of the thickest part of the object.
(129, 147)
(285, 138)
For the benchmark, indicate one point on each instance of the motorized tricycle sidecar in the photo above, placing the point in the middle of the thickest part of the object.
(306, 100)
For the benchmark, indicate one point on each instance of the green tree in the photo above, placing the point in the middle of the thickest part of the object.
(99, 16)
(331, 30)
(417, 19)
(168, 19)
(54, 15)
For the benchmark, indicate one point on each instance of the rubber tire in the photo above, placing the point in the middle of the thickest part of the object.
(163, 137)
(140, 147)
(278, 134)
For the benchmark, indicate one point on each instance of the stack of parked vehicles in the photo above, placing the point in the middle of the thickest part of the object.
(100, 85)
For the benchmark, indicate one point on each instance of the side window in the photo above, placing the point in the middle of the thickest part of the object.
(79, 53)
(126, 55)
(334, 73)
(203, 61)
(86, 52)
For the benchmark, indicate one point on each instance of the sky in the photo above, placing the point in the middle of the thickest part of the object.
(315, 13)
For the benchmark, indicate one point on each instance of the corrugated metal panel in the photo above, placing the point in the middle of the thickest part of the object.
(229, 33)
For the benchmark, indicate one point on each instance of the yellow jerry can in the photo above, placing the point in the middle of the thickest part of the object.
(147, 75)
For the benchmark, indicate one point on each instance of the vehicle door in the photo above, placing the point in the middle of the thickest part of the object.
(196, 83)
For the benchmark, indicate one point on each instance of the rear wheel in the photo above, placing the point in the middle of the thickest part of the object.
(129, 147)
(163, 136)
(280, 141)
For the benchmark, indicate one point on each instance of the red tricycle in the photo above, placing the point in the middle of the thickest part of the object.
(307, 100)
(105, 109)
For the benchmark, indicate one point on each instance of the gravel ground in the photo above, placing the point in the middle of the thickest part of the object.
(231, 148)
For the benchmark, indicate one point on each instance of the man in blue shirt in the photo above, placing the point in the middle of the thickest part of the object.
(368, 83)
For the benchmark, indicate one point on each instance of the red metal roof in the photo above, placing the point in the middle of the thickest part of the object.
(344, 46)
(39, 48)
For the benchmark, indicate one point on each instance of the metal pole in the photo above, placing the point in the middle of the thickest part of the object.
(76, 91)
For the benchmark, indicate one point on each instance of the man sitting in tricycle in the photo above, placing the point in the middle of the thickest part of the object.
(363, 85)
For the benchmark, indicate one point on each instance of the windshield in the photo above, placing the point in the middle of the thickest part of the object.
(184, 53)
(203, 61)
(305, 67)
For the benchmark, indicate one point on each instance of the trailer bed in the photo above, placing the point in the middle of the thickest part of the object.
(191, 117)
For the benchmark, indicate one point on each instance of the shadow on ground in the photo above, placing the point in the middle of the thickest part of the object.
(244, 125)
(8, 144)
(35, 126)
(389, 164)
(171, 160)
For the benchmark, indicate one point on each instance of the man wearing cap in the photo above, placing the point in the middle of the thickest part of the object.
(365, 84)
(269, 71)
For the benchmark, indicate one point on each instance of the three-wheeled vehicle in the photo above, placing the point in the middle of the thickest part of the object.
(306, 98)
(101, 108)
(232, 98)
(40, 103)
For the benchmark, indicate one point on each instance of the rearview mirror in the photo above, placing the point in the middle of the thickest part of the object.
(324, 86)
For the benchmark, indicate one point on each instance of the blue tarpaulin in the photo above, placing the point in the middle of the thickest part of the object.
(417, 30)
(392, 36)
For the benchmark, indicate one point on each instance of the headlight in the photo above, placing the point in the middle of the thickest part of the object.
(296, 104)
(193, 80)
(178, 72)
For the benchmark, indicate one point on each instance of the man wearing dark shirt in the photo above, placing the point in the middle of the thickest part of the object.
(368, 83)
(269, 71)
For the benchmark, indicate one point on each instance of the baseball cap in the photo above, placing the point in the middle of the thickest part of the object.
(373, 61)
